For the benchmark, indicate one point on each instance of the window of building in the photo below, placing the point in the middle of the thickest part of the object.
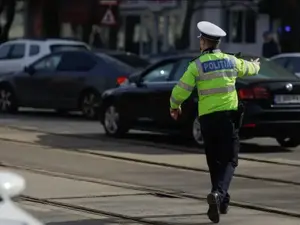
(241, 26)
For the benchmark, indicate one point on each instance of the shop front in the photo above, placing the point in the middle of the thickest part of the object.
(80, 19)
(151, 26)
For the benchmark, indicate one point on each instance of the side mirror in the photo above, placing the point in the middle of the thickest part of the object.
(11, 184)
(139, 82)
(29, 69)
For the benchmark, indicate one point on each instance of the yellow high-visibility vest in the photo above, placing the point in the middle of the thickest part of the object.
(214, 74)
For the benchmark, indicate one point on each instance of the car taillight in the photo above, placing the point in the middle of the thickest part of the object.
(121, 80)
(253, 93)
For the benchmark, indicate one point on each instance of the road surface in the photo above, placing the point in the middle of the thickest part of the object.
(76, 175)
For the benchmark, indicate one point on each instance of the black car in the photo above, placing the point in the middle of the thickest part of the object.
(271, 99)
(65, 81)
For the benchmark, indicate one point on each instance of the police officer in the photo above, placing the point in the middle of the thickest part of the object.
(214, 74)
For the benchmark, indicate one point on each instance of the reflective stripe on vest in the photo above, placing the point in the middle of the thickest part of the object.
(199, 66)
(175, 101)
(216, 75)
(185, 86)
(220, 90)
(201, 77)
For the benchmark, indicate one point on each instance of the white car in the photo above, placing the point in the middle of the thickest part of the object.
(12, 185)
(16, 54)
(290, 61)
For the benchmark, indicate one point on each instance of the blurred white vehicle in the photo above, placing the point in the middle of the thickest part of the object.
(16, 54)
(290, 61)
(12, 185)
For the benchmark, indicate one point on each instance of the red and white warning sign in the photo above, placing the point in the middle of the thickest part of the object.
(108, 18)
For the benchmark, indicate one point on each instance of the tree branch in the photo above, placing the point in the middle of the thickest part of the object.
(2, 6)
(10, 8)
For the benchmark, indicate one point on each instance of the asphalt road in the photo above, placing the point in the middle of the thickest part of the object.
(48, 152)
(74, 124)
(57, 216)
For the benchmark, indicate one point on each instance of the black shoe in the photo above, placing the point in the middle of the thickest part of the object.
(224, 208)
(213, 212)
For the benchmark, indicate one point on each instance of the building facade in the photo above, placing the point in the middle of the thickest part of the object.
(159, 27)
(242, 22)
(142, 26)
(150, 26)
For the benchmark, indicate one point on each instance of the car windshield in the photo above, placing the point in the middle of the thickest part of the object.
(56, 48)
(115, 62)
(270, 70)
(132, 60)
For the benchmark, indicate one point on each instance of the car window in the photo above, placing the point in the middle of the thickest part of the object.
(76, 61)
(57, 48)
(34, 50)
(4, 50)
(159, 74)
(49, 63)
(18, 51)
(123, 67)
(293, 64)
(280, 61)
(269, 69)
(183, 65)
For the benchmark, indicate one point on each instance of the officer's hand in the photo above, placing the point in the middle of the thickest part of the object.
(256, 61)
(175, 113)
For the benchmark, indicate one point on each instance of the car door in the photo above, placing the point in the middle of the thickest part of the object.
(17, 57)
(163, 93)
(156, 88)
(70, 79)
(35, 86)
(4, 57)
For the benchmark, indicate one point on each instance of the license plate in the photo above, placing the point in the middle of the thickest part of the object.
(287, 99)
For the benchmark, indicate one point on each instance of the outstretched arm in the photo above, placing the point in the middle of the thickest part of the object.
(247, 68)
(184, 87)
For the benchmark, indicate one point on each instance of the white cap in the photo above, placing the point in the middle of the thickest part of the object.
(210, 31)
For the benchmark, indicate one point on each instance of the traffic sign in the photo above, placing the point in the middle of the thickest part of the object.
(108, 18)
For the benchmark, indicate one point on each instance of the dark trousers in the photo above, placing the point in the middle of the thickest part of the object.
(221, 143)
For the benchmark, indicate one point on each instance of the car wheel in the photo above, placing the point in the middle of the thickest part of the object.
(288, 142)
(89, 104)
(196, 131)
(8, 101)
(113, 123)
